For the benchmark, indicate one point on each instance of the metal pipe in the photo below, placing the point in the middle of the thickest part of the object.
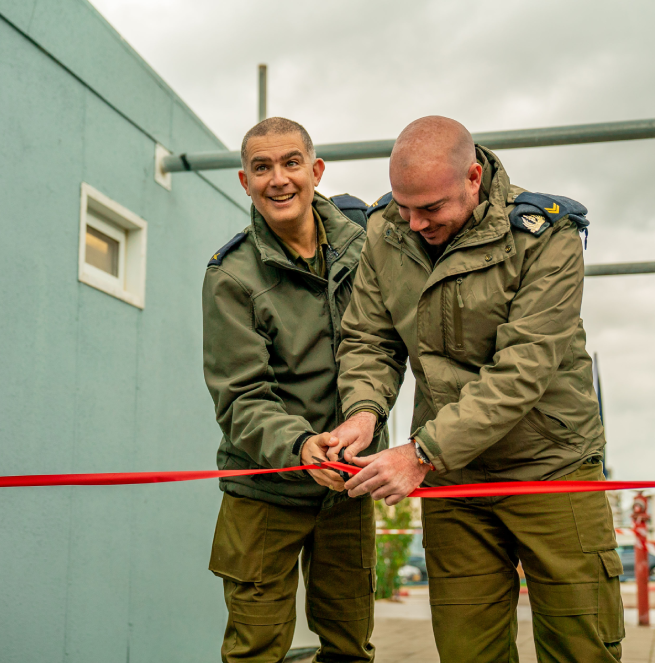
(495, 140)
(262, 93)
(620, 268)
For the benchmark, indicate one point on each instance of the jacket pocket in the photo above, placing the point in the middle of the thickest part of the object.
(611, 626)
(554, 429)
(533, 449)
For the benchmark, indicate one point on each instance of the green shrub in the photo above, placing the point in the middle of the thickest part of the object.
(393, 549)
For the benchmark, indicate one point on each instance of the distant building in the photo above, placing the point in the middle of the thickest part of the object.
(101, 362)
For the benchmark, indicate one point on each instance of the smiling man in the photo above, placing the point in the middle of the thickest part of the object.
(273, 298)
(479, 284)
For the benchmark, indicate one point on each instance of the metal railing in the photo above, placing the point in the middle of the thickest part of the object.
(494, 140)
(620, 268)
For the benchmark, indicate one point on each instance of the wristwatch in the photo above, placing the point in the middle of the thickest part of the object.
(421, 455)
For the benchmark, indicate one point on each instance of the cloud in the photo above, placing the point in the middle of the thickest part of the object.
(363, 70)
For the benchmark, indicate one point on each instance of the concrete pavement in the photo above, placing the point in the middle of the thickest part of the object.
(403, 631)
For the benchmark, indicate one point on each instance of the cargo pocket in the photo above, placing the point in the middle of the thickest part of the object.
(239, 540)
(592, 512)
(563, 600)
(611, 626)
(472, 590)
(340, 609)
(263, 613)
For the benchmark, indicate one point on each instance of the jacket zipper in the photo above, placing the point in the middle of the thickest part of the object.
(458, 305)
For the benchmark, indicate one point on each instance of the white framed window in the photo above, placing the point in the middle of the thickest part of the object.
(112, 254)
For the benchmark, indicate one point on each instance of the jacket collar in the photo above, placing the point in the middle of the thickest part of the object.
(340, 232)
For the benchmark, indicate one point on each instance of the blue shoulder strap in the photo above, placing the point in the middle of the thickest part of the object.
(535, 212)
(380, 203)
(217, 258)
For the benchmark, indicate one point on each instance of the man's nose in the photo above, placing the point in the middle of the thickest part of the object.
(417, 221)
(279, 176)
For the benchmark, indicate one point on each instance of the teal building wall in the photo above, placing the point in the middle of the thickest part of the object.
(89, 383)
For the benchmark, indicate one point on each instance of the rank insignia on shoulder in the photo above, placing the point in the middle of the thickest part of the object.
(533, 223)
(380, 203)
(217, 258)
(536, 212)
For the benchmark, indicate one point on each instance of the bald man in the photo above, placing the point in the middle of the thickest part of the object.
(479, 283)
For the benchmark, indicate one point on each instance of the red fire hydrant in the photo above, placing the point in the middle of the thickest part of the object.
(640, 520)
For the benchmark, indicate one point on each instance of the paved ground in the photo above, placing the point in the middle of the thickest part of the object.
(403, 632)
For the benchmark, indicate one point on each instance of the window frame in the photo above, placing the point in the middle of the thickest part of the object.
(130, 230)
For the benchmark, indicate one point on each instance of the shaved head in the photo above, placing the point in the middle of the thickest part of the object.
(434, 141)
(435, 177)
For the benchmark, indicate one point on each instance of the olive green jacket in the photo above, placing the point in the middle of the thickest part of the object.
(494, 338)
(271, 331)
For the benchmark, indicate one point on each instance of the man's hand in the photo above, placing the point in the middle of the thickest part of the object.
(356, 433)
(318, 446)
(391, 474)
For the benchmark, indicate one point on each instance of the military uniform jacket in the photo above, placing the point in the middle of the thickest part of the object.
(271, 332)
(493, 335)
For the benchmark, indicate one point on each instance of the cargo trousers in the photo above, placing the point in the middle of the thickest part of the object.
(566, 545)
(256, 549)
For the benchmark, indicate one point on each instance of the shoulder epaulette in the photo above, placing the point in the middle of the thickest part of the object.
(380, 203)
(353, 208)
(217, 258)
(535, 212)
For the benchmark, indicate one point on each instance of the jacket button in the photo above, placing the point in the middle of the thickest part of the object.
(508, 249)
(487, 257)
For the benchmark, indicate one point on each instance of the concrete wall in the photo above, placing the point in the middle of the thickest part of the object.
(89, 383)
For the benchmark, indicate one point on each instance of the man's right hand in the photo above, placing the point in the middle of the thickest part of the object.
(356, 433)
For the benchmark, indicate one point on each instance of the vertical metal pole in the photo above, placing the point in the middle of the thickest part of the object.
(262, 92)
(640, 519)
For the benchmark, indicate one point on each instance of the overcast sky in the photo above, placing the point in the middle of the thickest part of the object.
(363, 69)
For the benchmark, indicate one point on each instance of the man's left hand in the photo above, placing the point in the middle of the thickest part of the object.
(390, 475)
(316, 447)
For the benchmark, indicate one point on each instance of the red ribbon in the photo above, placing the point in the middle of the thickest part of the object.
(465, 490)
(124, 478)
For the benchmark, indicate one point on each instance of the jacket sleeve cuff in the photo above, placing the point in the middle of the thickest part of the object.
(369, 406)
(296, 450)
(294, 457)
(432, 450)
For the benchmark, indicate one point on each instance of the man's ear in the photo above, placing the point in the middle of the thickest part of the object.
(243, 178)
(474, 177)
(319, 169)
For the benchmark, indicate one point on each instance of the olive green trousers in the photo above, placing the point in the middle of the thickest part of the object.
(256, 549)
(565, 543)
